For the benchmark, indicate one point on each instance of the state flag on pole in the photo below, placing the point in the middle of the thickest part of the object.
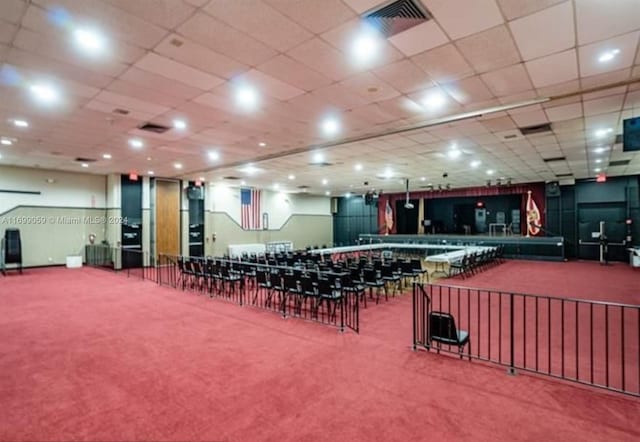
(533, 216)
(250, 208)
(388, 218)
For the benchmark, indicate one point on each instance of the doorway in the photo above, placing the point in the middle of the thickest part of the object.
(167, 217)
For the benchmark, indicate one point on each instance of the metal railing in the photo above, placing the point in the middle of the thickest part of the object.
(131, 262)
(239, 284)
(589, 342)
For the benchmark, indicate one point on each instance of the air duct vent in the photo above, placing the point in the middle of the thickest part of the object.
(619, 163)
(564, 175)
(152, 127)
(231, 178)
(554, 159)
(537, 129)
(321, 164)
(303, 187)
(397, 16)
(120, 111)
(85, 160)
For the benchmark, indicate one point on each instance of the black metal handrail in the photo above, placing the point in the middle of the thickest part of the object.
(595, 343)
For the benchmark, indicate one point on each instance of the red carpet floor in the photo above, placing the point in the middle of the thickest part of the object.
(89, 355)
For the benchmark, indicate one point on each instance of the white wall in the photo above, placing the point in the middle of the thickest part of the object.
(280, 206)
(67, 190)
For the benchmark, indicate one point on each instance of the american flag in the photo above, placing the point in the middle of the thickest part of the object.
(250, 208)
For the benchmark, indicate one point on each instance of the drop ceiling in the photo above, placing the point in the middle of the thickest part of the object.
(184, 59)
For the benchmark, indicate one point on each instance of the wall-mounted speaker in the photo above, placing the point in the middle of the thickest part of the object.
(552, 189)
(334, 205)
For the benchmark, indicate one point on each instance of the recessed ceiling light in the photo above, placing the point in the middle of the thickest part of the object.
(476, 163)
(276, 186)
(358, 167)
(246, 97)
(292, 177)
(347, 195)
(454, 153)
(92, 42)
(135, 142)
(262, 144)
(490, 172)
(608, 55)
(434, 100)
(148, 158)
(44, 93)
(0, 156)
(151, 172)
(250, 169)
(597, 169)
(599, 149)
(213, 155)
(243, 183)
(423, 178)
(388, 173)
(330, 126)
(598, 160)
(180, 124)
(106, 156)
(20, 123)
(201, 178)
(325, 181)
(177, 166)
(6, 141)
(318, 158)
(327, 193)
(600, 133)
(365, 46)
(84, 165)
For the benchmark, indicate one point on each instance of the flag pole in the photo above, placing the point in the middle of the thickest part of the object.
(527, 211)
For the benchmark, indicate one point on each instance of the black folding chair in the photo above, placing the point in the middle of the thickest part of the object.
(442, 330)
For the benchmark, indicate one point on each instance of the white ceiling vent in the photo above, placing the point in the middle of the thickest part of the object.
(397, 16)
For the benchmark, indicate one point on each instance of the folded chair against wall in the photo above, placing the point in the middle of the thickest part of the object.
(11, 250)
(442, 330)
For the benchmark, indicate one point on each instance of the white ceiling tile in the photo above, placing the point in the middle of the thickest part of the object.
(225, 39)
(564, 112)
(130, 103)
(199, 57)
(259, 20)
(7, 32)
(518, 8)
(269, 85)
(293, 72)
(176, 71)
(316, 16)
(12, 10)
(405, 76)
(533, 43)
(489, 50)
(533, 118)
(443, 64)
(507, 81)
(361, 6)
(320, 56)
(460, 18)
(165, 14)
(590, 54)
(339, 96)
(557, 68)
(601, 19)
(419, 38)
(469, 90)
(159, 83)
(603, 105)
(370, 87)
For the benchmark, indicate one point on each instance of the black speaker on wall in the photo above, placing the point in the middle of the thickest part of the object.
(12, 248)
(552, 189)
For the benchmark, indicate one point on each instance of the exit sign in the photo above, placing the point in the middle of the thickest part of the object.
(601, 178)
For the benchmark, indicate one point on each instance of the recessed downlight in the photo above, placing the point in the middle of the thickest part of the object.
(608, 55)
(601, 133)
(151, 172)
(330, 126)
(246, 97)
(476, 163)
(90, 41)
(85, 165)
(213, 155)
(177, 166)
(358, 167)
(20, 123)
(136, 142)
(44, 93)
(325, 181)
(327, 193)
(292, 177)
(179, 124)
(106, 156)
(262, 144)
(434, 100)
(6, 141)
(490, 172)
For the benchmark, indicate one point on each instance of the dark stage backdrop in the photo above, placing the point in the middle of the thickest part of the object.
(537, 193)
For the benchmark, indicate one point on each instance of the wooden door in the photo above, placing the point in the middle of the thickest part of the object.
(168, 217)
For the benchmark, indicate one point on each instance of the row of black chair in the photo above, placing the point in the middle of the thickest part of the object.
(472, 263)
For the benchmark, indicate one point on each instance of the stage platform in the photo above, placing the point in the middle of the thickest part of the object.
(548, 248)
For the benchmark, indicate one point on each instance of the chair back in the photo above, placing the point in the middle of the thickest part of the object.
(442, 327)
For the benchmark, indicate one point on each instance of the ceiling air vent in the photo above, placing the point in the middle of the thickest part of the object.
(619, 163)
(85, 160)
(303, 187)
(231, 178)
(397, 16)
(152, 127)
(120, 111)
(537, 129)
(321, 164)
(564, 175)
(554, 159)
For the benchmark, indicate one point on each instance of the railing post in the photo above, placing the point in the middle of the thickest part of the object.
(342, 313)
(512, 369)
(413, 308)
